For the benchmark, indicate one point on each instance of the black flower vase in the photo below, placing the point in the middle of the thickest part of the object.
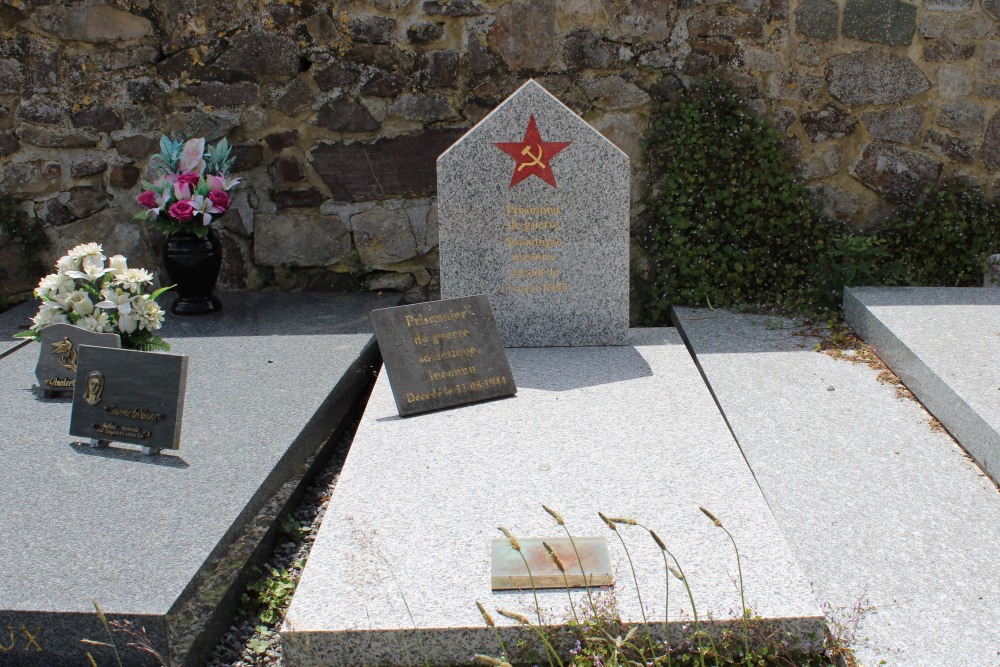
(193, 264)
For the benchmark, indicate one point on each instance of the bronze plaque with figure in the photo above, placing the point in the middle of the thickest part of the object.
(129, 396)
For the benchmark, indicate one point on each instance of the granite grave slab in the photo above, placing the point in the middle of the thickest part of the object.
(533, 211)
(152, 538)
(944, 343)
(129, 396)
(442, 354)
(879, 507)
(416, 508)
(58, 353)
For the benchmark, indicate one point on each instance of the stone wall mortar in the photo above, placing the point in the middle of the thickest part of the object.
(338, 109)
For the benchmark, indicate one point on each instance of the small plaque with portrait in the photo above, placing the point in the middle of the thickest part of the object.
(129, 396)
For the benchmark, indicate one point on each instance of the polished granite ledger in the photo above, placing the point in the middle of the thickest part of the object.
(629, 430)
(151, 538)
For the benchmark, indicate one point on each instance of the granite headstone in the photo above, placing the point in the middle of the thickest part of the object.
(57, 359)
(534, 212)
(442, 353)
(129, 396)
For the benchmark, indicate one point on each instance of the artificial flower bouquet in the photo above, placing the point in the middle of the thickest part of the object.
(190, 186)
(105, 298)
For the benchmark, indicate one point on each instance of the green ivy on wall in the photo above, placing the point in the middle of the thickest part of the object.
(730, 222)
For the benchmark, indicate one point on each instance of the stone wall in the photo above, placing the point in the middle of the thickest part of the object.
(339, 109)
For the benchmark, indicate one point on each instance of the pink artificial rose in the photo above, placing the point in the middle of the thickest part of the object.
(190, 179)
(182, 211)
(147, 199)
(220, 200)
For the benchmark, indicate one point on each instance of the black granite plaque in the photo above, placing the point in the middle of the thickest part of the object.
(442, 354)
(60, 345)
(129, 396)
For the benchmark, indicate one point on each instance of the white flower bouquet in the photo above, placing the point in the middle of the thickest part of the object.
(103, 297)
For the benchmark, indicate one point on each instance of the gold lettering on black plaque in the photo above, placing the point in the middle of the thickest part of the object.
(32, 638)
(135, 413)
(113, 430)
(68, 356)
(10, 633)
(65, 383)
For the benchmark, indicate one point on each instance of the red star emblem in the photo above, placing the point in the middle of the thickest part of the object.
(532, 155)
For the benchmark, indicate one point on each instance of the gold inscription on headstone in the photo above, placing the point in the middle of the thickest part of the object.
(113, 430)
(533, 228)
(135, 413)
(61, 383)
(31, 641)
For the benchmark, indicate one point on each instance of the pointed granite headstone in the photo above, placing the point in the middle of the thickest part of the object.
(534, 212)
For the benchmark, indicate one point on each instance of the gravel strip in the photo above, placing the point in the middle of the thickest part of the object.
(249, 642)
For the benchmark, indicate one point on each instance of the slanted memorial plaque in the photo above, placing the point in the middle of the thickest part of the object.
(533, 211)
(442, 354)
(585, 561)
(57, 359)
(129, 396)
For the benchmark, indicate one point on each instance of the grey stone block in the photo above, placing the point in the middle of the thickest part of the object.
(868, 77)
(269, 378)
(419, 500)
(875, 504)
(942, 342)
(545, 236)
(817, 18)
(891, 22)
(901, 126)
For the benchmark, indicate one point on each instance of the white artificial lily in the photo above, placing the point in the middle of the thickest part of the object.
(205, 206)
(162, 199)
(119, 301)
(90, 272)
(191, 157)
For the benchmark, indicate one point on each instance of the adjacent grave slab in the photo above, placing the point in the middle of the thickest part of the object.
(944, 344)
(630, 430)
(12, 321)
(875, 504)
(268, 379)
(533, 209)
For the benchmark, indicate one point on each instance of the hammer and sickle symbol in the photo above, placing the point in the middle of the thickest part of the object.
(537, 158)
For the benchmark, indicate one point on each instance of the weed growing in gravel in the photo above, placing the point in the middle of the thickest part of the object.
(601, 639)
